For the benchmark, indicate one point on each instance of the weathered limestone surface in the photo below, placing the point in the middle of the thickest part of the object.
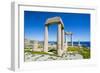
(62, 40)
(65, 44)
(54, 20)
(46, 39)
(59, 40)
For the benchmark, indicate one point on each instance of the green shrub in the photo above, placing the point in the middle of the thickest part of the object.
(84, 51)
(73, 49)
(36, 52)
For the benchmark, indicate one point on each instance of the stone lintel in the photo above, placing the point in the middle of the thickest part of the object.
(54, 20)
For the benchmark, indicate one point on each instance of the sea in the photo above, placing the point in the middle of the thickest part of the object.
(75, 43)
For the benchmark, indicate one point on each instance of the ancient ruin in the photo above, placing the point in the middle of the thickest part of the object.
(60, 34)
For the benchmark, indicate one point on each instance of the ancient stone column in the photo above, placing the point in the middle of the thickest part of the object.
(59, 40)
(79, 43)
(71, 40)
(46, 39)
(66, 44)
(62, 40)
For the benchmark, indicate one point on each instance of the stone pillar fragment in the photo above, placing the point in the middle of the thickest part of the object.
(59, 51)
(79, 43)
(46, 39)
(71, 40)
(66, 44)
(62, 40)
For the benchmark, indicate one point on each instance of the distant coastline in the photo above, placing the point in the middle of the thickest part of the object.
(75, 43)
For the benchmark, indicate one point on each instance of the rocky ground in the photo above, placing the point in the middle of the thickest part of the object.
(43, 57)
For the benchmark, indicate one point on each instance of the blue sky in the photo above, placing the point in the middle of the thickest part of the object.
(78, 24)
